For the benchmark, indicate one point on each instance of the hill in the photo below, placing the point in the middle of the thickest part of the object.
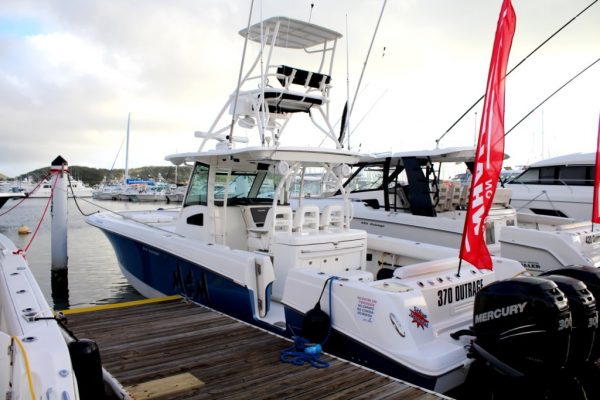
(93, 176)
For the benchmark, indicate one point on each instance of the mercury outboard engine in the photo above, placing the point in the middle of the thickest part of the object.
(588, 374)
(590, 276)
(522, 326)
(584, 314)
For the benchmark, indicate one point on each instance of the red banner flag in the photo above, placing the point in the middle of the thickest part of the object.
(596, 206)
(490, 146)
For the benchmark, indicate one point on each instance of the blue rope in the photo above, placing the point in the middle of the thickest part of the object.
(304, 352)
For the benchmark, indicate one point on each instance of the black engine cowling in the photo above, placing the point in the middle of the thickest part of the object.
(585, 317)
(522, 326)
(590, 276)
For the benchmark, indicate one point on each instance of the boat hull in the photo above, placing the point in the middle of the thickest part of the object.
(156, 272)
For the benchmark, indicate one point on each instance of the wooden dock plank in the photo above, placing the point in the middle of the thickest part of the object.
(149, 342)
(168, 386)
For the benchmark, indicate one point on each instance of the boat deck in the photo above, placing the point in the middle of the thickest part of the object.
(172, 349)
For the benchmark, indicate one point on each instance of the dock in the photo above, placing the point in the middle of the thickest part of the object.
(171, 349)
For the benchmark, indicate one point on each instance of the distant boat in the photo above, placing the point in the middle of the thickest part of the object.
(75, 186)
(561, 186)
(176, 195)
(108, 191)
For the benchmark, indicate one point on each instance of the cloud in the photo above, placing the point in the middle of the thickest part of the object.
(70, 72)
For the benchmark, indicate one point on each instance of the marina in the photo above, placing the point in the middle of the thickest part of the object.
(292, 262)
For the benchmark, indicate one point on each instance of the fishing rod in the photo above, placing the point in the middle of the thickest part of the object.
(548, 98)
(437, 142)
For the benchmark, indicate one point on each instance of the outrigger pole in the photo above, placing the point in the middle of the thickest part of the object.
(437, 142)
(237, 89)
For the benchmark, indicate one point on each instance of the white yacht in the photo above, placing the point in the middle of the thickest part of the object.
(561, 186)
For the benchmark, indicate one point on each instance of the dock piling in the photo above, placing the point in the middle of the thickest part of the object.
(59, 168)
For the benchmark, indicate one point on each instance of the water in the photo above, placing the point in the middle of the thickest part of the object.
(94, 276)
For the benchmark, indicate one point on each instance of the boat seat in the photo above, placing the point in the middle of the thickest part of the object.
(289, 75)
(332, 218)
(465, 190)
(278, 220)
(278, 100)
(306, 219)
(455, 196)
(444, 198)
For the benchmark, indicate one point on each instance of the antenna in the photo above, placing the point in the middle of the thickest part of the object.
(363, 70)
(312, 5)
(345, 113)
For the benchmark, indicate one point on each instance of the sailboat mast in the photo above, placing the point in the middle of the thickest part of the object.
(127, 150)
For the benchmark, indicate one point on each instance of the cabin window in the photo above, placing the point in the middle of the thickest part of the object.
(268, 186)
(574, 175)
(531, 175)
(370, 177)
(197, 193)
(239, 185)
(547, 175)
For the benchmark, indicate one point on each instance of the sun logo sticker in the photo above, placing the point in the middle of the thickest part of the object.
(419, 317)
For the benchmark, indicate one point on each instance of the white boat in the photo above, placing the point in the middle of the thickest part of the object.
(237, 246)
(176, 195)
(140, 190)
(401, 195)
(75, 187)
(34, 361)
(108, 191)
(148, 195)
(561, 186)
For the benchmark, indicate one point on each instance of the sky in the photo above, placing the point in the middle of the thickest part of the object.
(71, 71)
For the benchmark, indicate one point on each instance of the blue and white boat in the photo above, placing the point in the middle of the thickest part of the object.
(237, 246)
